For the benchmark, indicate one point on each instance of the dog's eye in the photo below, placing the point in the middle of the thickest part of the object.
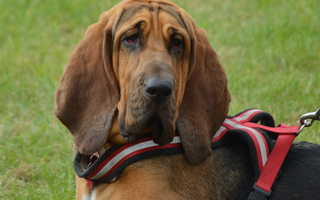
(177, 44)
(132, 39)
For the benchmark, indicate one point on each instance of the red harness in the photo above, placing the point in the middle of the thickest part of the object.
(271, 166)
(245, 125)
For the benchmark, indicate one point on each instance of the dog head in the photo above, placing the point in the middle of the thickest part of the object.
(145, 66)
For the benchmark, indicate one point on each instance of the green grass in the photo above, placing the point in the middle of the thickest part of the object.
(270, 50)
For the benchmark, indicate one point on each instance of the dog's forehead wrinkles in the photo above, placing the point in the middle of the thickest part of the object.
(130, 13)
(176, 15)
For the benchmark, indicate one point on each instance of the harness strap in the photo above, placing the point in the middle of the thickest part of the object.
(274, 162)
(257, 140)
(280, 129)
(287, 134)
(90, 183)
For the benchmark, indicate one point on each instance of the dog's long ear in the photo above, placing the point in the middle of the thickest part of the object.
(206, 99)
(86, 99)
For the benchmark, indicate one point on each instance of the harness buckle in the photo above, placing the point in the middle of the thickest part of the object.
(258, 194)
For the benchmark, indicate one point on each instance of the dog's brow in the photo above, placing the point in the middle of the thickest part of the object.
(174, 14)
(129, 14)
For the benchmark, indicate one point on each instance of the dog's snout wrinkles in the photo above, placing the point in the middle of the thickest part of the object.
(158, 89)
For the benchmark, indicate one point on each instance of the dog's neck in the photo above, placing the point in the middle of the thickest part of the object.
(115, 138)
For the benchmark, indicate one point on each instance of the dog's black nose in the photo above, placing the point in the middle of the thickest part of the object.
(158, 89)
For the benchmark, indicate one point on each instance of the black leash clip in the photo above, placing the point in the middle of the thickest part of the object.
(312, 116)
(258, 194)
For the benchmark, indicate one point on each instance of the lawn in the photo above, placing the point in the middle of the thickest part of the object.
(270, 50)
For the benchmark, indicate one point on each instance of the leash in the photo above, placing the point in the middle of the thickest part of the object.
(244, 126)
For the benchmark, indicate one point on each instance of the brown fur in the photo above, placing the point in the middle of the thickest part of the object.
(101, 98)
(153, 180)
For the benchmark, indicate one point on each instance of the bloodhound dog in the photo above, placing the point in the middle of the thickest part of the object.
(147, 67)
